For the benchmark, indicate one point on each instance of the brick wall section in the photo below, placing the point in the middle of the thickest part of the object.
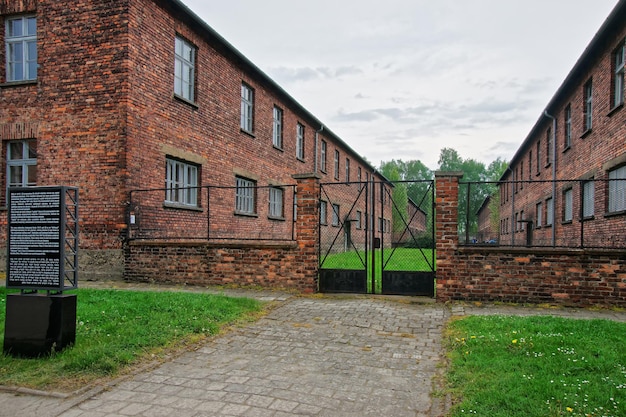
(291, 265)
(564, 277)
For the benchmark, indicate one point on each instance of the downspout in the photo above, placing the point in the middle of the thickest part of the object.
(553, 176)
(315, 163)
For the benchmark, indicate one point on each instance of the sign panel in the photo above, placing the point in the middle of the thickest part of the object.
(36, 238)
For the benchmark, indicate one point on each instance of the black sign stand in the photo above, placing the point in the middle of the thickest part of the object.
(42, 255)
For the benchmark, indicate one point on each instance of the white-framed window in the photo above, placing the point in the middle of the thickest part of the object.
(539, 215)
(184, 69)
(568, 205)
(323, 212)
(247, 108)
(548, 146)
(347, 170)
(619, 56)
(588, 113)
(21, 48)
(568, 126)
(181, 182)
(245, 196)
(335, 215)
(589, 199)
(276, 206)
(359, 219)
(277, 132)
(22, 163)
(323, 156)
(300, 141)
(617, 189)
(336, 164)
(549, 211)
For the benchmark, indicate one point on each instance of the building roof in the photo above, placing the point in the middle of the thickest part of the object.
(613, 22)
(187, 15)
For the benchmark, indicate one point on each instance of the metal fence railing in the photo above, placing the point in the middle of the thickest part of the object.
(562, 213)
(243, 213)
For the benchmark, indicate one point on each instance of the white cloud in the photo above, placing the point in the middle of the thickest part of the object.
(402, 79)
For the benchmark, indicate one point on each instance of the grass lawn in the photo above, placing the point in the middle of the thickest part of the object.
(399, 259)
(537, 366)
(117, 329)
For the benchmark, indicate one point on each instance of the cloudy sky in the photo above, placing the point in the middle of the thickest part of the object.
(401, 79)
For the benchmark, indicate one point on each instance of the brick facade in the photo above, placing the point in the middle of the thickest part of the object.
(104, 117)
(571, 277)
(561, 152)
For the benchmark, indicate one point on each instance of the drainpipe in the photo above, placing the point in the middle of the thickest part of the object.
(317, 132)
(553, 176)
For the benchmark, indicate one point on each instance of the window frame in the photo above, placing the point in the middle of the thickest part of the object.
(587, 107)
(323, 152)
(300, 141)
(246, 122)
(183, 63)
(277, 127)
(567, 131)
(25, 40)
(617, 76)
(538, 215)
(358, 220)
(323, 212)
(568, 205)
(24, 163)
(245, 196)
(616, 185)
(336, 164)
(276, 203)
(588, 199)
(347, 169)
(181, 191)
(549, 211)
(336, 214)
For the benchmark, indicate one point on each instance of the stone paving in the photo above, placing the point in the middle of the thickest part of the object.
(310, 356)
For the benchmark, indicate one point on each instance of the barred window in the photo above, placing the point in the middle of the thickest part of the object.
(588, 105)
(619, 56)
(549, 211)
(245, 196)
(539, 215)
(335, 215)
(300, 141)
(568, 126)
(323, 212)
(323, 156)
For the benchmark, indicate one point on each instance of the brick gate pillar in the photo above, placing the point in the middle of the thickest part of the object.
(446, 228)
(307, 227)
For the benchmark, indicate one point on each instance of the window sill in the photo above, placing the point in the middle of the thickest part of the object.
(185, 101)
(566, 222)
(567, 148)
(18, 83)
(586, 133)
(615, 109)
(587, 218)
(180, 206)
(280, 219)
(278, 148)
(247, 133)
(300, 159)
(614, 213)
(240, 213)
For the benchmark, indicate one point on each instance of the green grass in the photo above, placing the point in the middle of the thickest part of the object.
(399, 259)
(117, 329)
(537, 366)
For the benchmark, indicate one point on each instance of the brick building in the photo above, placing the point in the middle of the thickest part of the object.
(568, 178)
(123, 95)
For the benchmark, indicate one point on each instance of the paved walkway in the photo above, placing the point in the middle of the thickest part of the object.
(311, 356)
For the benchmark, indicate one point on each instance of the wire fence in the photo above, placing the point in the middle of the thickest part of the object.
(588, 213)
(243, 212)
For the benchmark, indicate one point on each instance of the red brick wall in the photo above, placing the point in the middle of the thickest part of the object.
(567, 277)
(287, 265)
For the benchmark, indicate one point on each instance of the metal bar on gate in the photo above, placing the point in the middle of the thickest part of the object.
(467, 211)
(373, 232)
(581, 203)
(208, 213)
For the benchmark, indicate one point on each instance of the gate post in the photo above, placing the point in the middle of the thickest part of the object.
(446, 228)
(307, 227)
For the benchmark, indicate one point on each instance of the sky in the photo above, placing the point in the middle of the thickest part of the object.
(402, 79)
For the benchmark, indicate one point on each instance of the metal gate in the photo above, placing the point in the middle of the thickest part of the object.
(377, 238)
